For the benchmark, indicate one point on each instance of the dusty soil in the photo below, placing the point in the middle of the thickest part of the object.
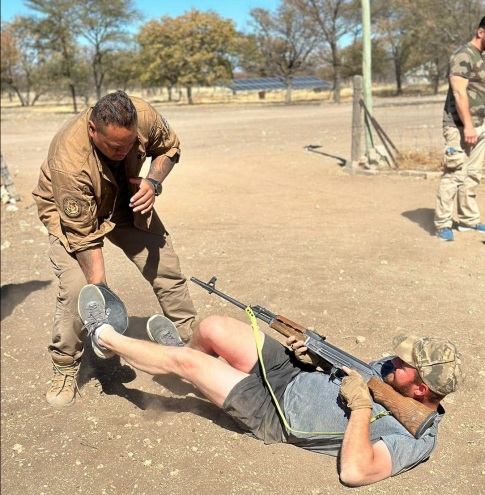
(281, 227)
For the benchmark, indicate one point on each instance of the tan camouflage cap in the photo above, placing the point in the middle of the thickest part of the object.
(437, 360)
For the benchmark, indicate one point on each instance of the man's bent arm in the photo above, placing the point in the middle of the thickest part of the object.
(362, 463)
(91, 262)
(459, 86)
(160, 167)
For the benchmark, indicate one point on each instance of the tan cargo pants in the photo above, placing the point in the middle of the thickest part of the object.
(461, 177)
(152, 254)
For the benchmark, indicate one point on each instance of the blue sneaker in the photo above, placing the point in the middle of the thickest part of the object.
(480, 227)
(445, 234)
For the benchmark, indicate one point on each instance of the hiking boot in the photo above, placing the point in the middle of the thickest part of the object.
(480, 227)
(92, 309)
(445, 234)
(62, 392)
(161, 330)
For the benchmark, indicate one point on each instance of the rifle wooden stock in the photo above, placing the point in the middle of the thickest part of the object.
(289, 328)
(413, 415)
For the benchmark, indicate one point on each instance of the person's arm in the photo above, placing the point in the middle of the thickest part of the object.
(144, 199)
(459, 86)
(91, 262)
(361, 463)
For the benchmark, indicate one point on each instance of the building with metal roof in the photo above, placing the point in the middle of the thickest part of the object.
(269, 83)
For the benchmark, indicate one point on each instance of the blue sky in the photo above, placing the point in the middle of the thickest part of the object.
(238, 10)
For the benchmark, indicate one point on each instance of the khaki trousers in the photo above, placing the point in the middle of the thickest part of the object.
(461, 177)
(152, 254)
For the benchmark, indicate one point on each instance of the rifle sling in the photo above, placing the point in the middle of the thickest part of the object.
(257, 339)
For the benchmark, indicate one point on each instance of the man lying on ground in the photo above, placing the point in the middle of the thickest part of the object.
(425, 369)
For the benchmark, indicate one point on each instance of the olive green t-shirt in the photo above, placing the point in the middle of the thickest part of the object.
(467, 62)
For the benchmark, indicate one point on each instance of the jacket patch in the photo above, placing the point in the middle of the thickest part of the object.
(165, 123)
(72, 207)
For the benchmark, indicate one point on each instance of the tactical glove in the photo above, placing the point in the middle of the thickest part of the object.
(355, 392)
(305, 356)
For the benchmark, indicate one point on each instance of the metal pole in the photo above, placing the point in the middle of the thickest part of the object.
(367, 69)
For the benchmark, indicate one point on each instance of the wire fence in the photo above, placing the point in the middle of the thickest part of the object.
(413, 124)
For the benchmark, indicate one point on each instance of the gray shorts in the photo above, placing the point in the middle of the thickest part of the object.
(250, 403)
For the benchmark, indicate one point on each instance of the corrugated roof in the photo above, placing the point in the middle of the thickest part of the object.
(267, 83)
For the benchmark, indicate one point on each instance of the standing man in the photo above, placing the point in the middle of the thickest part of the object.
(464, 132)
(89, 190)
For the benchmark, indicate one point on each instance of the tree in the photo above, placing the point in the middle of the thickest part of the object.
(160, 54)
(28, 67)
(248, 56)
(56, 27)
(438, 19)
(102, 23)
(393, 24)
(333, 19)
(123, 68)
(351, 57)
(191, 49)
(10, 60)
(286, 40)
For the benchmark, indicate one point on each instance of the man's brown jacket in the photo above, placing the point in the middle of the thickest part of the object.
(76, 193)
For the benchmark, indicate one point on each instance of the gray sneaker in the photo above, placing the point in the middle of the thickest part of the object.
(161, 330)
(92, 309)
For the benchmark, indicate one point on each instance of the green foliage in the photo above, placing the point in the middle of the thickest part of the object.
(192, 49)
(351, 59)
(103, 24)
(27, 68)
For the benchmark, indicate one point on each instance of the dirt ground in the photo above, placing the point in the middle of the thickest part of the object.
(279, 226)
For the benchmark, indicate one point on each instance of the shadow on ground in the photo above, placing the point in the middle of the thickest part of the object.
(313, 148)
(14, 294)
(424, 217)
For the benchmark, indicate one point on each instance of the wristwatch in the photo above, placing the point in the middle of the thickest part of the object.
(157, 185)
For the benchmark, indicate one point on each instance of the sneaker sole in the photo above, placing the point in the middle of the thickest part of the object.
(92, 293)
(163, 323)
(88, 293)
(467, 229)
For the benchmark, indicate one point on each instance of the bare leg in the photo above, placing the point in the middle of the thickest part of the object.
(214, 378)
(228, 338)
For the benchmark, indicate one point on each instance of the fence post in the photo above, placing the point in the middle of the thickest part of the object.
(356, 123)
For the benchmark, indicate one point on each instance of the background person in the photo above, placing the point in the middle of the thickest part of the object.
(464, 132)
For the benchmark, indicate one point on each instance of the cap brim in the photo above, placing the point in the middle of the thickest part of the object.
(404, 350)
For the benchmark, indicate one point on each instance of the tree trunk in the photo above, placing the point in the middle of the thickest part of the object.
(189, 95)
(336, 84)
(169, 90)
(73, 94)
(337, 79)
(436, 79)
(21, 98)
(398, 73)
(289, 83)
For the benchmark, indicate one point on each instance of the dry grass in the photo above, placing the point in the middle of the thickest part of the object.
(430, 160)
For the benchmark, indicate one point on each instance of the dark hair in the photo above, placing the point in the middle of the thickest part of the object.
(115, 109)
(482, 23)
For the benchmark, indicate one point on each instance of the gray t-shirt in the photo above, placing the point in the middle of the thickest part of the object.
(312, 404)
